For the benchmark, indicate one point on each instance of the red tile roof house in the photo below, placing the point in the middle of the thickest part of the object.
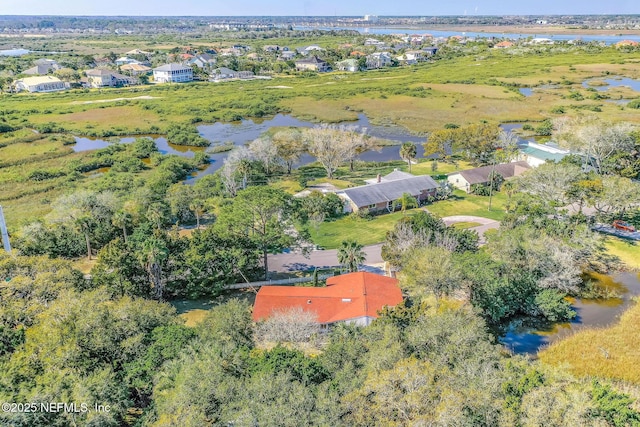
(351, 298)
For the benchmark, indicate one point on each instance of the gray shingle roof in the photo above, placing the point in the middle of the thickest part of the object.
(172, 67)
(481, 175)
(99, 72)
(396, 175)
(388, 191)
(311, 60)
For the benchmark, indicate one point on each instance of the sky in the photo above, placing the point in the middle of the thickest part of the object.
(316, 7)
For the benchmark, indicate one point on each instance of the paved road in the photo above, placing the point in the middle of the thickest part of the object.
(486, 224)
(329, 258)
(321, 259)
(608, 229)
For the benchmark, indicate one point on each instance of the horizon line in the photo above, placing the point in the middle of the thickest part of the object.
(319, 16)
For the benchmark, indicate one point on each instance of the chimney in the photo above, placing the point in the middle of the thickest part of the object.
(379, 178)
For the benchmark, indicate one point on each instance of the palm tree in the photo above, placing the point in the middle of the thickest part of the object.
(156, 214)
(408, 152)
(407, 201)
(198, 207)
(121, 219)
(152, 255)
(350, 254)
(84, 224)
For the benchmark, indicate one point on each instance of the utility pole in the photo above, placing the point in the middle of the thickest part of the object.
(493, 172)
(4, 233)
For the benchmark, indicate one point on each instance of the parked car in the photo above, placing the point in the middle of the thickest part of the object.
(624, 226)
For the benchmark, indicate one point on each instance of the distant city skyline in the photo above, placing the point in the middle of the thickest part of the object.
(314, 7)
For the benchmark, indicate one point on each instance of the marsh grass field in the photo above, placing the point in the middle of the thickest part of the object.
(607, 352)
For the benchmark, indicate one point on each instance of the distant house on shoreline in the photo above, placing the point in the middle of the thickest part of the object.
(40, 84)
(42, 67)
(106, 78)
(173, 73)
(312, 63)
(504, 45)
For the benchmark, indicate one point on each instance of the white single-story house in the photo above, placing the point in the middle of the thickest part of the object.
(465, 179)
(40, 84)
(173, 73)
(224, 73)
(537, 154)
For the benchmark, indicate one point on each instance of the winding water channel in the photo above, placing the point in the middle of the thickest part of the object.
(590, 314)
(245, 131)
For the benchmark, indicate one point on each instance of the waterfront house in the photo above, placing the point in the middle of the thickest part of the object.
(173, 73)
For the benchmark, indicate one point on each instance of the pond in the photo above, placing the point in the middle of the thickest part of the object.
(603, 84)
(88, 144)
(590, 314)
(240, 133)
(526, 91)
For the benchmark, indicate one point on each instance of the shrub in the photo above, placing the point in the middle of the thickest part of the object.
(553, 306)
(185, 135)
(634, 104)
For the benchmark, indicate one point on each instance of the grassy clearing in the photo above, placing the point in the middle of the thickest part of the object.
(288, 185)
(609, 352)
(462, 203)
(486, 91)
(103, 118)
(424, 168)
(194, 311)
(84, 265)
(329, 235)
(628, 251)
(467, 224)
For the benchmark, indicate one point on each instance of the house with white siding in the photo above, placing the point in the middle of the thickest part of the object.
(40, 84)
(379, 60)
(173, 73)
(464, 180)
(312, 63)
(99, 78)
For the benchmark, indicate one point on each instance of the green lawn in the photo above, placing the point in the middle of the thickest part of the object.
(425, 168)
(628, 251)
(462, 203)
(329, 235)
(465, 225)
